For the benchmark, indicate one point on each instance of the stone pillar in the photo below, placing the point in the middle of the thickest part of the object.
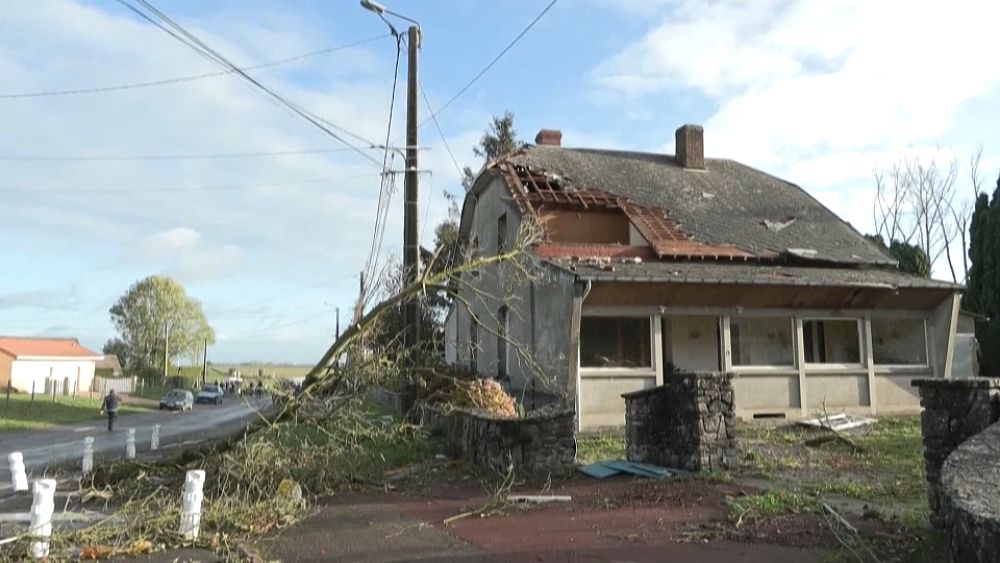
(954, 411)
(688, 422)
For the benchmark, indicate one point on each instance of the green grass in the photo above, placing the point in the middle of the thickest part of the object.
(21, 414)
(769, 505)
(591, 449)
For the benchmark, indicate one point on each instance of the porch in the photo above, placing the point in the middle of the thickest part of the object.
(793, 352)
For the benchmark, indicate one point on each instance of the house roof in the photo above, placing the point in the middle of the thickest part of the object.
(109, 361)
(19, 347)
(750, 274)
(727, 210)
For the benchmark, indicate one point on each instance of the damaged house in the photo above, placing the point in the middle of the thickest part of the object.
(652, 263)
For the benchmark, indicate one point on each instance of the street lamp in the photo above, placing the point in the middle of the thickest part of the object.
(411, 250)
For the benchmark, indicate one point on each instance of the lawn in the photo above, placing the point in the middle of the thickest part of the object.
(23, 414)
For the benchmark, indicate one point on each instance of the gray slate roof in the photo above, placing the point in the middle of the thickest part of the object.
(753, 274)
(727, 203)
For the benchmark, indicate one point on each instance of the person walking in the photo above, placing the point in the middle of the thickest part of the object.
(110, 407)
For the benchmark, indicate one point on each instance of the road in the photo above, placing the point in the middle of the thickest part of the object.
(42, 448)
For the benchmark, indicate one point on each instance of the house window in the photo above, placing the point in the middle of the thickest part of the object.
(831, 341)
(762, 341)
(615, 342)
(474, 254)
(502, 343)
(502, 233)
(473, 344)
(900, 342)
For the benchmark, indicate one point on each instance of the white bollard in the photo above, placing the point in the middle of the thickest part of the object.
(154, 442)
(130, 444)
(88, 455)
(194, 483)
(42, 507)
(18, 478)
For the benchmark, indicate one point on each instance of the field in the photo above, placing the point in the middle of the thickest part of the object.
(23, 414)
(247, 370)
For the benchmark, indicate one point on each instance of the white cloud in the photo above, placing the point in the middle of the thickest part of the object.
(806, 78)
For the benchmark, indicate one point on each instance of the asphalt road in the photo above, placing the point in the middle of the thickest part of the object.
(42, 448)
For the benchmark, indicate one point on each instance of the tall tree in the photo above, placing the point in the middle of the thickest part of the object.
(155, 315)
(983, 287)
(499, 139)
(910, 258)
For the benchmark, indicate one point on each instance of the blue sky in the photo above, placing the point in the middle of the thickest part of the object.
(815, 91)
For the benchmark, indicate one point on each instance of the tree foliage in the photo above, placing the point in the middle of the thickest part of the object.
(499, 139)
(151, 311)
(983, 286)
(911, 258)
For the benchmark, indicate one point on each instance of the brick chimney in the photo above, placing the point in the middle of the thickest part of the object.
(551, 137)
(690, 141)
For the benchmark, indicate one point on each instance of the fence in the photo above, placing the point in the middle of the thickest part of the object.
(120, 384)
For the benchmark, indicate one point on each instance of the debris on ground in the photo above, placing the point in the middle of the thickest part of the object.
(838, 422)
(539, 499)
(605, 469)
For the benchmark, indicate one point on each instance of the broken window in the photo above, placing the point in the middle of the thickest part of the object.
(831, 341)
(502, 343)
(615, 342)
(901, 342)
(501, 233)
(762, 341)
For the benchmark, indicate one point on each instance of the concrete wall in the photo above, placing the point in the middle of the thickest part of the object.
(79, 373)
(539, 311)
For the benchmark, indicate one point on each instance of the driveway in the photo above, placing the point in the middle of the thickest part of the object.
(42, 448)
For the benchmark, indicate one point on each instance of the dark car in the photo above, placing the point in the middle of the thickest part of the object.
(210, 394)
(177, 400)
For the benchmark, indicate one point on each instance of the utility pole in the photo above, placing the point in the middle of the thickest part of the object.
(336, 334)
(166, 350)
(411, 250)
(204, 364)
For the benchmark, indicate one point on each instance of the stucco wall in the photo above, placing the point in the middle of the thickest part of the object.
(80, 374)
(691, 343)
(539, 310)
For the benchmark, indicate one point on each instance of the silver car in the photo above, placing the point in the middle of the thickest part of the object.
(177, 400)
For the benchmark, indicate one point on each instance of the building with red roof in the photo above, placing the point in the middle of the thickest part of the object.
(45, 365)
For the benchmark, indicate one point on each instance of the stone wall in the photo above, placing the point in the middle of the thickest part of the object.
(688, 422)
(970, 488)
(539, 442)
(954, 411)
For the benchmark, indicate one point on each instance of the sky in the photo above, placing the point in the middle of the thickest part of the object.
(819, 92)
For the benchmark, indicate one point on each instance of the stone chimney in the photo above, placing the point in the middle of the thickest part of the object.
(551, 137)
(690, 141)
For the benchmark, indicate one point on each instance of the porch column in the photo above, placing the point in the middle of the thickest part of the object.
(800, 364)
(870, 362)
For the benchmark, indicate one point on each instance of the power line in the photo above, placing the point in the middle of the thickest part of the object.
(126, 158)
(189, 39)
(135, 85)
(384, 193)
(495, 60)
(441, 133)
(182, 189)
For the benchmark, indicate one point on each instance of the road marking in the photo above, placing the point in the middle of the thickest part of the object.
(84, 429)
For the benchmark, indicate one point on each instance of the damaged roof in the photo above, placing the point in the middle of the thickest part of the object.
(727, 205)
(750, 274)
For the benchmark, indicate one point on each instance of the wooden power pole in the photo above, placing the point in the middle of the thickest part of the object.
(411, 250)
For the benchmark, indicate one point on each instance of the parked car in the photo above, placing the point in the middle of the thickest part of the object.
(177, 400)
(210, 394)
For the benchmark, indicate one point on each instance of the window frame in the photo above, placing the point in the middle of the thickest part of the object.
(503, 344)
(770, 368)
(898, 367)
(501, 233)
(819, 366)
(640, 371)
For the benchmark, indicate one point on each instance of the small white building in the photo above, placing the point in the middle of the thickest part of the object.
(44, 364)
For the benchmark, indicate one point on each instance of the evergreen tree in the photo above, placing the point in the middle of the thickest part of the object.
(911, 258)
(983, 285)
